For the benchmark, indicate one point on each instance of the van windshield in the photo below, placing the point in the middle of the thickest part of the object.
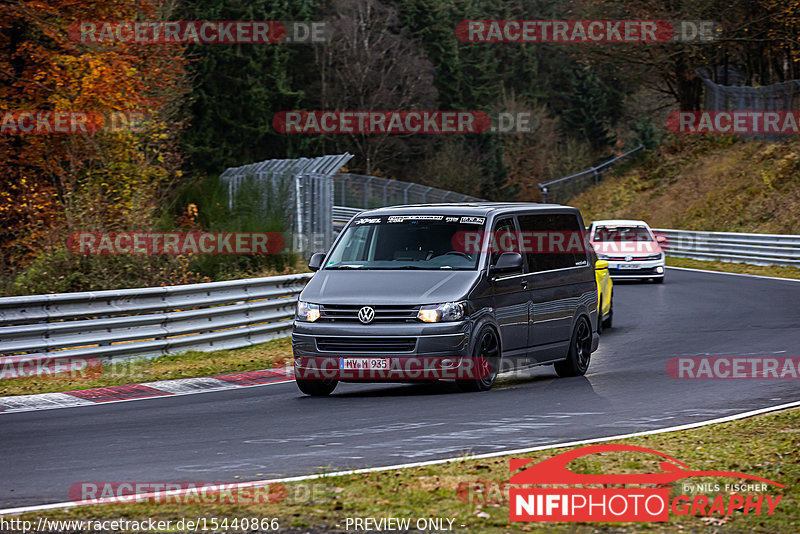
(425, 242)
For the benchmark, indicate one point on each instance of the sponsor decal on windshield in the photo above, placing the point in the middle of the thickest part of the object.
(404, 218)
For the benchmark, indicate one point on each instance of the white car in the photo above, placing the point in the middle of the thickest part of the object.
(630, 247)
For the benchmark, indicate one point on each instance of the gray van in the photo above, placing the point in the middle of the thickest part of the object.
(448, 291)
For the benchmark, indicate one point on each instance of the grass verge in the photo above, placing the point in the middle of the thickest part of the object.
(713, 183)
(191, 364)
(765, 445)
(771, 270)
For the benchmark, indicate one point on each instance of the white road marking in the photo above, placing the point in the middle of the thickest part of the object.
(41, 401)
(188, 385)
(52, 401)
(734, 274)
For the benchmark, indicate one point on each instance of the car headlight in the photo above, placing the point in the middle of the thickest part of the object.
(307, 312)
(603, 256)
(437, 313)
(653, 257)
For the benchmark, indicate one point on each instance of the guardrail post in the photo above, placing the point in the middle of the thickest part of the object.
(405, 193)
(425, 195)
(366, 187)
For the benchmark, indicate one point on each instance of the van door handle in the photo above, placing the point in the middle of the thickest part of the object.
(524, 284)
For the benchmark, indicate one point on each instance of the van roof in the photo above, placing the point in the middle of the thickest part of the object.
(465, 208)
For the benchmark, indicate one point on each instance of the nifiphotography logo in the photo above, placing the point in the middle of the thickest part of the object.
(617, 501)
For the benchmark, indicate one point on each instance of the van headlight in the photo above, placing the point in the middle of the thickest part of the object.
(307, 311)
(438, 313)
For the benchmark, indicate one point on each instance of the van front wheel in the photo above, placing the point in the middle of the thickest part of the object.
(486, 363)
(580, 351)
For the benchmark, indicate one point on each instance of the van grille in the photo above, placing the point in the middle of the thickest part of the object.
(337, 312)
(366, 344)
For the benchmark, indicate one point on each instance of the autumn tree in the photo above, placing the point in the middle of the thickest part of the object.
(54, 184)
(371, 63)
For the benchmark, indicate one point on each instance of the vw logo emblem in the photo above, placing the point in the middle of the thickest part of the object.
(628, 258)
(366, 314)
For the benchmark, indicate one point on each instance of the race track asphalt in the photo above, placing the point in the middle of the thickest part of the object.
(272, 431)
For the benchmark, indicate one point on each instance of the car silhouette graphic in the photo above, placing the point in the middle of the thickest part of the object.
(554, 470)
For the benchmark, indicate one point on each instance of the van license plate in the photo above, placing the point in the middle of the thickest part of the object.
(356, 364)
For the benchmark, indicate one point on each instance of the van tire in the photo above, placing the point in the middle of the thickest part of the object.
(486, 353)
(580, 351)
(316, 388)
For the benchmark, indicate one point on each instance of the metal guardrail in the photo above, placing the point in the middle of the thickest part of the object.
(343, 214)
(594, 172)
(148, 322)
(729, 247)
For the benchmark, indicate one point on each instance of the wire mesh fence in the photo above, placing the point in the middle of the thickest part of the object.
(783, 96)
(780, 97)
(299, 191)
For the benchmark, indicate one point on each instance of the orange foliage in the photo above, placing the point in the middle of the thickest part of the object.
(45, 178)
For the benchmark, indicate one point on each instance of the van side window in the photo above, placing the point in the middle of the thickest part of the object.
(502, 228)
(552, 241)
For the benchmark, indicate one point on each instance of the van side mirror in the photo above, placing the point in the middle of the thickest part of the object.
(600, 265)
(508, 261)
(316, 261)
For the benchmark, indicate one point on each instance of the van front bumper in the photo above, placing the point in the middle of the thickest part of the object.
(409, 351)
